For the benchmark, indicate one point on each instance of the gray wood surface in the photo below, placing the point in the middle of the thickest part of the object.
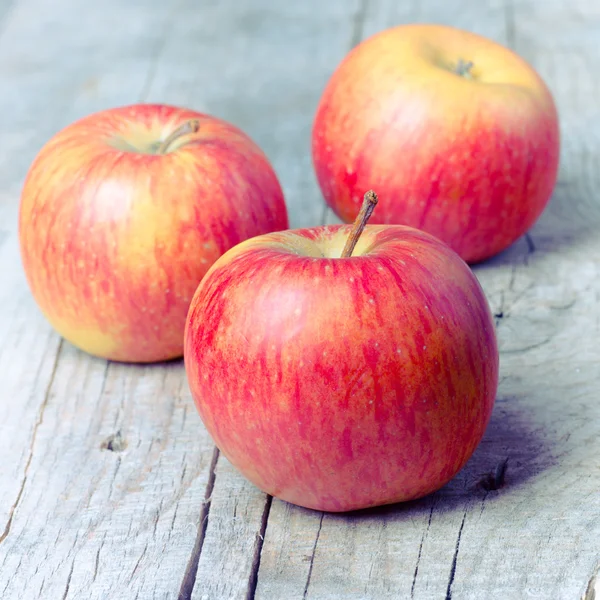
(109, 485)
(80, 520)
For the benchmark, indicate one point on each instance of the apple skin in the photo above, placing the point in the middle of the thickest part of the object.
(343, 383)
(115, 237)
(471, 161)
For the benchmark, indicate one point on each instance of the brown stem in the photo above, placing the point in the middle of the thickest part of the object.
(191, 126)
(366, 210)
(463, 68)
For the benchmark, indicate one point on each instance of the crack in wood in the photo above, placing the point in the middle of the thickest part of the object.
(189, 577)
(68, 585)
(37, 425)
(414, 581)
(172, 528)
(184, 419)
(8, 583)
(455, 559)
(590, 591)
(260, 539)
(138, 562)
(156, 519)
(97, 560)
(184, 469)
(369, 578)
(114, 477)
(312, 558)
(526, 348)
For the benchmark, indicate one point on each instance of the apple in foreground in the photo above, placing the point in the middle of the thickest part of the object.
(338, 376)
(124, 211)
(457, 132)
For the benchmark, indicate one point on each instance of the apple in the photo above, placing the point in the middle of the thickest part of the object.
(338, 370)
(124, 211)
(459, 133)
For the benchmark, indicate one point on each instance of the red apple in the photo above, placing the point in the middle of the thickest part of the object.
(123, 212)
(459, 133)
(339, 383)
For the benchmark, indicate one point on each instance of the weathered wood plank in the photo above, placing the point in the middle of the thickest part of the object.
(85, 513)
(234, 536)
(536, 535)
(24, 382)
(288, 551)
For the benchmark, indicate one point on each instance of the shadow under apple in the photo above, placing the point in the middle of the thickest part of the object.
(569, 222)
(513, 450)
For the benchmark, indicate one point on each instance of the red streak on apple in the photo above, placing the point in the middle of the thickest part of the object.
(343, 383)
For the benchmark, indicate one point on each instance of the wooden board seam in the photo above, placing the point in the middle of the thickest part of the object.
(38, 422)
(189, 577)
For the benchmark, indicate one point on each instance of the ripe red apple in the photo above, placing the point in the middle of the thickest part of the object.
(343, 382)
(123, 212)
(458, 133)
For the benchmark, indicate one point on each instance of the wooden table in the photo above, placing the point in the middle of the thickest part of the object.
(158, 513)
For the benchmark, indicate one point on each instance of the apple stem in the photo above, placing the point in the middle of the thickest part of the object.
(463, 68)
(191, 126)
(366, 210)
